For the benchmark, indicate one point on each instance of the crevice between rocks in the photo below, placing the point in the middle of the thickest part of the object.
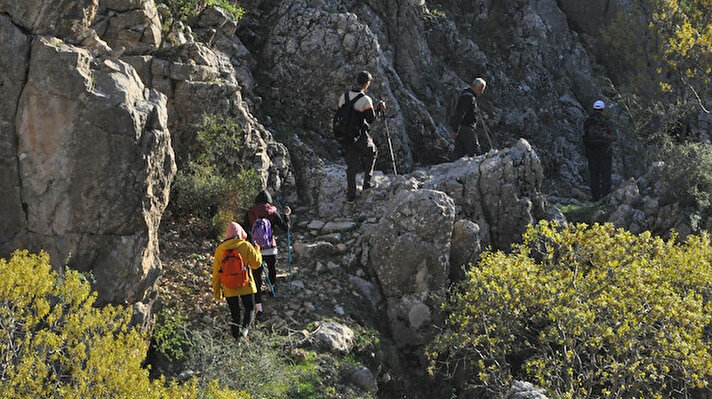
(25, 80)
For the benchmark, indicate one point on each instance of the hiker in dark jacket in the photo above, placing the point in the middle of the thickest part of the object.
(235, 239)
(362, 150)
(263, 208)
(598, 137)
(464, 122)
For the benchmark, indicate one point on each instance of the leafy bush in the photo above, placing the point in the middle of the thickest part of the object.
(55, 344)
(214, 186)
(169, 336)
(688, 177)
(584, 312)
(184, 10)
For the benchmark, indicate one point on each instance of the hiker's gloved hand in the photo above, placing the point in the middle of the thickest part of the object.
(287, 210)
(382, 105)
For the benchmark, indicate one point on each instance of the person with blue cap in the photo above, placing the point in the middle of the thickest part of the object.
(598, 137)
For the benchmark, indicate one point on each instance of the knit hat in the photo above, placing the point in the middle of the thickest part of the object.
(599, 104)
(235, 230)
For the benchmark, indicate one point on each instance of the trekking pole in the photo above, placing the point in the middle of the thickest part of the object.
(288, 211)
(390, 146)
(269, 282)
(489, 139)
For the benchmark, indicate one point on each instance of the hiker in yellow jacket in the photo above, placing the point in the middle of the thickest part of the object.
(250, 255)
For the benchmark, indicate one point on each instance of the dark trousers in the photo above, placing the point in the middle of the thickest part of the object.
(363, 152)
(271, 262)
(600, 168)
(233, 302)
(466, 143)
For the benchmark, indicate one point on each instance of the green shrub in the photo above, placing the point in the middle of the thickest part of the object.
(259, 367)
(169, 337)
(688, 177)
(581, 213)
(583, 312)
(55, 344)
(184, 10)
(213, 185)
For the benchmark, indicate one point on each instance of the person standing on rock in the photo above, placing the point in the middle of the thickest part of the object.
(250, 259)
(263, 208)
(361, 149)
(464, 120)
(598, 138)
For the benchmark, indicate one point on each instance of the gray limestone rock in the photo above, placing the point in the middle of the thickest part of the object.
(333, 337)
(13, 73)
(525, 390)
(66, 19)
(409, 248)
(96, 164)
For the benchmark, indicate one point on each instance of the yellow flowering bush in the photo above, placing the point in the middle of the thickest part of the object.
(583, 311)
(55, 344)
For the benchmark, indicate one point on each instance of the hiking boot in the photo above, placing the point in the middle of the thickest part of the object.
(368, 185)
(350, 197)
(244, 333)
(260, 316)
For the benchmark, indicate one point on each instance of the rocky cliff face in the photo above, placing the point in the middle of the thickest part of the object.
(540, 77)
(94, 104)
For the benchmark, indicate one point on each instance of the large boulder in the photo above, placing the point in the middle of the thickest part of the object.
(132, 25)
(500, 191)
(67, 19)
(95, 167)
(409, 247)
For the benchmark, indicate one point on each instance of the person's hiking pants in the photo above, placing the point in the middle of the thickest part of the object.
(363, 152)
(233, 302)
(600, 167)
(271, 262)
(466, 143)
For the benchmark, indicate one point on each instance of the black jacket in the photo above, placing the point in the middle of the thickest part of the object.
(598, 135)
(465, 111)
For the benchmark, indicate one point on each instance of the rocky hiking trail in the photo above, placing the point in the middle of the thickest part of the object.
(327, 285)
(317, 289)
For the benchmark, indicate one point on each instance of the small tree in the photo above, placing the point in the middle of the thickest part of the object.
(213, 185)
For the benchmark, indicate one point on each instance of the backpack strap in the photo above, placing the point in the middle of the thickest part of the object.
(352, 101)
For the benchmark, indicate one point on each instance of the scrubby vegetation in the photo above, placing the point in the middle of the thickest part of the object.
(662, 79)
(185, 10)
(688, 179)
(583, 312)
(275, 363)
(55, 344)
(213, 186)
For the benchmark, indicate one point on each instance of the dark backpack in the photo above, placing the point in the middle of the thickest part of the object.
(233, 273)
(261, 233)
(598, 132)
(455, 119)
(346, 121)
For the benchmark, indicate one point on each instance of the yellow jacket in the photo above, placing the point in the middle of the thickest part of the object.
(250, 256)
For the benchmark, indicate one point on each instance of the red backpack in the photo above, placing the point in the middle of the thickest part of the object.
(233, 272)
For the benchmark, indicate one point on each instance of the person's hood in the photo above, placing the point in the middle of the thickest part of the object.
(235, 230)
(263, 198)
